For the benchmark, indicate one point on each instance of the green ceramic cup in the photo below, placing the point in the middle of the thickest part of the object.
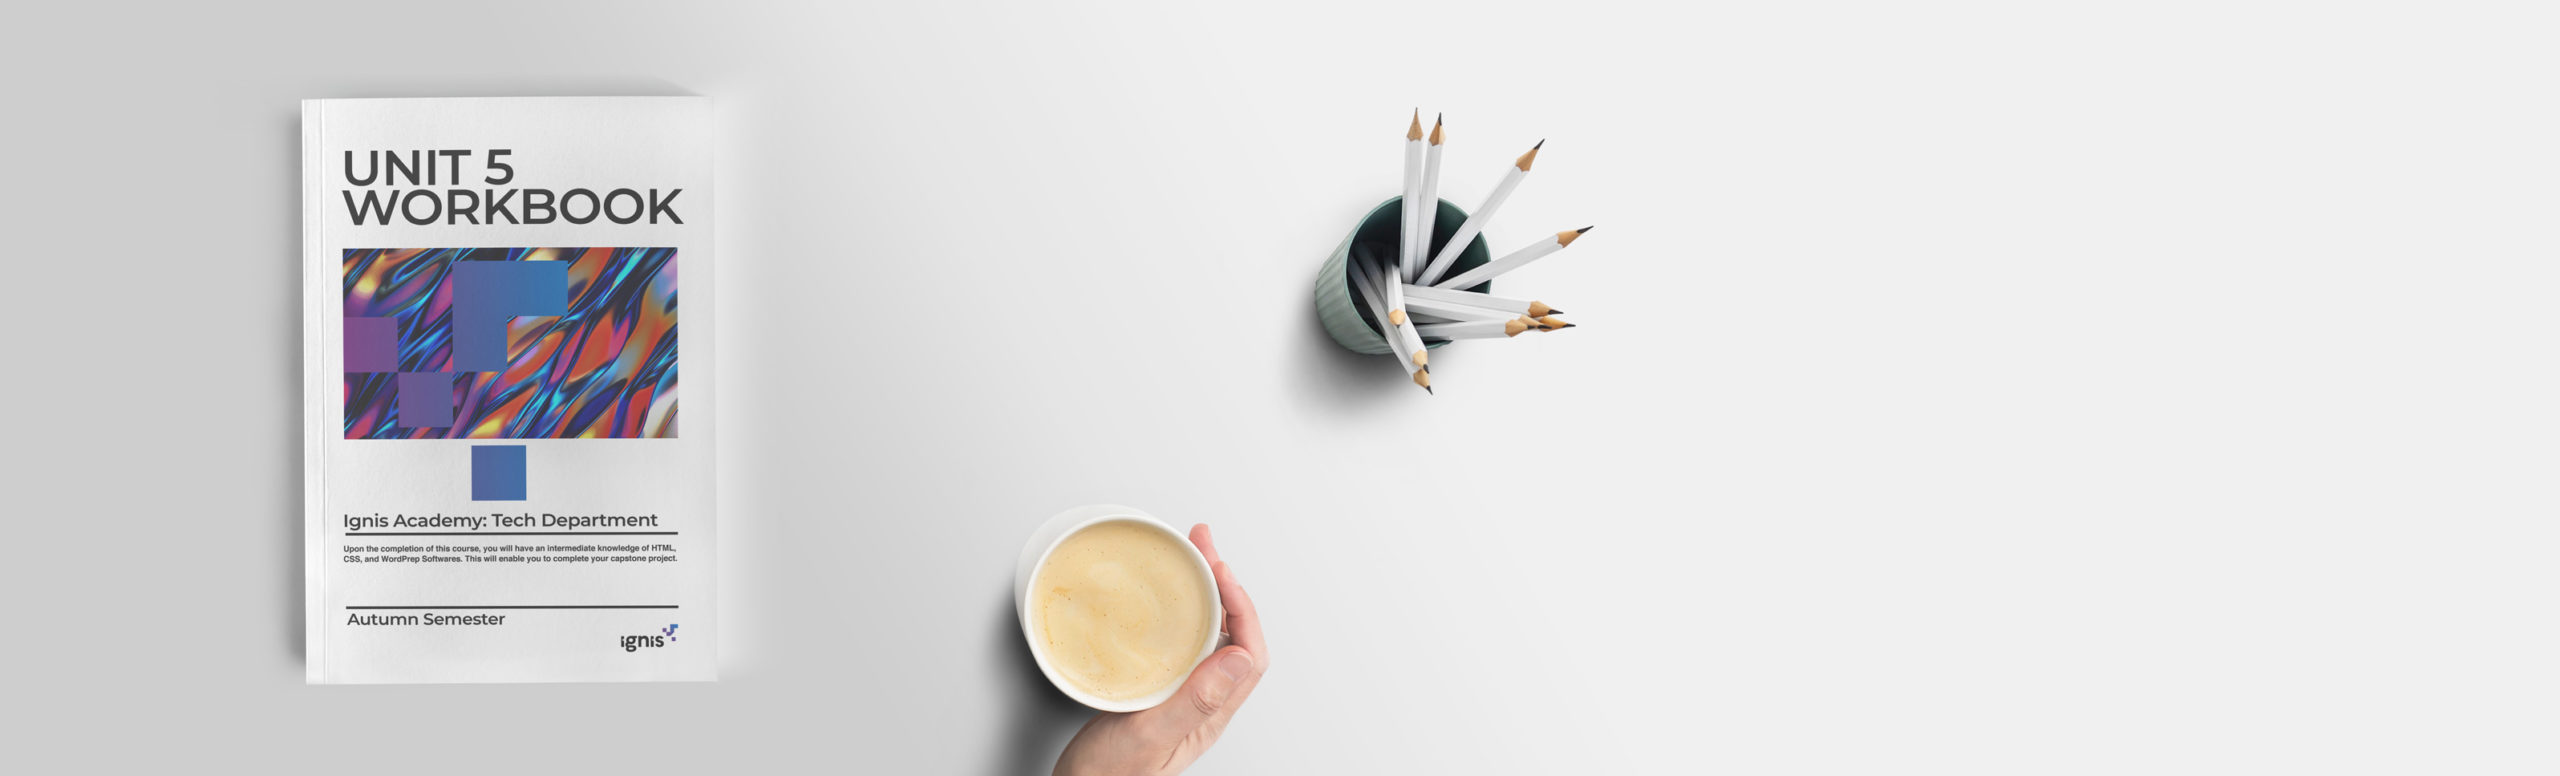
(1336, 299)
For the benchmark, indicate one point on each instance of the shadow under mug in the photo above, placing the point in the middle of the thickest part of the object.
(1377, 238)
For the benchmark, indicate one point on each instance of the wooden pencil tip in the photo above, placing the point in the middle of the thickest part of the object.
(1435, 130)
(1415, 132)
(1529, 158)
(1422, 358)
(1565, 239)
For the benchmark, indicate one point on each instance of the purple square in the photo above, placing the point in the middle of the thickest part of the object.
(373, 345)
(425, 399)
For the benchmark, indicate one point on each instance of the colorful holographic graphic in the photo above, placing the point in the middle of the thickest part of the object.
(525, 343)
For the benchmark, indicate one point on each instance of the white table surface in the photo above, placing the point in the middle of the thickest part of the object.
(1994, 388)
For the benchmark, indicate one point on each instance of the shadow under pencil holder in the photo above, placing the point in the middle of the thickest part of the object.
(1337, 305)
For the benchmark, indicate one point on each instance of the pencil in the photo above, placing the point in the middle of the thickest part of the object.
(1409, 259)
(1393, 298)
(1428, 206)
(1457, 311)
(1475, 329)
(1552, 323)
(1477, 221)
(1421, 317)
(1368, 294)
(1362, 273)
(1517, 259)
(1531, 308)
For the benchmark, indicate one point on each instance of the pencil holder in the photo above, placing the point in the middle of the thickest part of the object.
(1375, 238)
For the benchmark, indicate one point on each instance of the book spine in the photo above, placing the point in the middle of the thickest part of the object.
(316, 318)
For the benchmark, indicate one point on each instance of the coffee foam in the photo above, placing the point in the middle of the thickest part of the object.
(1123, 611)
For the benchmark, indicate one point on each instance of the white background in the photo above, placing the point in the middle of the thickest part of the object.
(1990, 388)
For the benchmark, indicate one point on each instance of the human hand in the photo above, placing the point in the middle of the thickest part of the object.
(1167, 738)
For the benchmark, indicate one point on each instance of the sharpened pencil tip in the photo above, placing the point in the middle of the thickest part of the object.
(1584, 229)
(1542, 143)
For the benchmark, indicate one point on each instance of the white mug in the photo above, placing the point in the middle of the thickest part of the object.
(1036, 552)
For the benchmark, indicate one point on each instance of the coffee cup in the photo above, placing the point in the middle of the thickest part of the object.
(1116, 606)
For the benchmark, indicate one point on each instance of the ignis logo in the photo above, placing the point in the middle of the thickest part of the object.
(652, 641)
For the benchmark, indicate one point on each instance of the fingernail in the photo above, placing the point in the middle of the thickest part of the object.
(1235, 665)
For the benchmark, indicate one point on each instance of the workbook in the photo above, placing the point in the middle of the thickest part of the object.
(507, 440)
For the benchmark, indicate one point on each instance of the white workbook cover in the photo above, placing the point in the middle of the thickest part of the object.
(508, 457)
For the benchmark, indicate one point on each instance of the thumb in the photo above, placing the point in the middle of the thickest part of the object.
(1212, 687)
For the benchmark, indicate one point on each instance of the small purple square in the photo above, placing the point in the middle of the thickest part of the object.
(425, 400)
(373, 345)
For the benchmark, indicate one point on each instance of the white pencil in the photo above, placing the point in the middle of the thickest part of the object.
(1456, 315)
(1477, 221)
(1393, 296)
(1458, 311)
(1476, 329)
(1409, 260)
(1532, 308)
(1517, 259)
(1368, 294)
(1361, 277)
(1429, 216)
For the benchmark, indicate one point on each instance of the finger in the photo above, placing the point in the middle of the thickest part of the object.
(1212, 691)
(1244, 625)
(1200, 539)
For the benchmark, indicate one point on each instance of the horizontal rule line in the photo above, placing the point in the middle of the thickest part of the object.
(600, 606)
(509, 533)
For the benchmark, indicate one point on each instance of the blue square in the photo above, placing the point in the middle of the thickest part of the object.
(497, 473)
(424, 400)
